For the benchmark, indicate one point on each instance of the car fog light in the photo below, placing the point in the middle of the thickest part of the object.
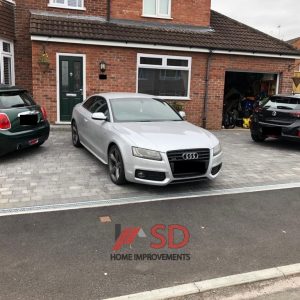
(141, 175)
(215, 170)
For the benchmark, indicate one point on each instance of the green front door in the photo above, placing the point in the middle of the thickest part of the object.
(70, 85)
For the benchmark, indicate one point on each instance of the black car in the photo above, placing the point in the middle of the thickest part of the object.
(23, 123)
(279, 117)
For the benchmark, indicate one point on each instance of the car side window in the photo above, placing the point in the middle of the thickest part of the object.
(100, 105)
(89, 103)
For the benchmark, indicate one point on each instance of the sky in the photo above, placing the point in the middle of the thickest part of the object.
(279, 18)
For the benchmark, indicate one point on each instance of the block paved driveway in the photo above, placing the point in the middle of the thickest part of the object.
(58, 173)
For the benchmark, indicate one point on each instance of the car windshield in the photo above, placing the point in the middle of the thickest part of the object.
(142, 110)
(289, 103)
(15, 99)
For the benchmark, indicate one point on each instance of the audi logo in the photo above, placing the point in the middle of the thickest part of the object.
(190, 156)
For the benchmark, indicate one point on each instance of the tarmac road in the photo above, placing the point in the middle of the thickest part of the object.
(67, 255)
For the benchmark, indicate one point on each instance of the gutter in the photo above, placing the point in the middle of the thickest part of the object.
(108, 12)
(43, 38)
(205, 107)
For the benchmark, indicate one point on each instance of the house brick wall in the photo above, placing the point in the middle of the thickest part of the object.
(7, 16)
(195, 12)
(121, 72)
(23, 44)
(222, 63)
(296, 44)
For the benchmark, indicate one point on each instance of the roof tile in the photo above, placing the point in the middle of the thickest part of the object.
(224, 34)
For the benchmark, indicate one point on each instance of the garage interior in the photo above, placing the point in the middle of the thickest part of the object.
(242, 92)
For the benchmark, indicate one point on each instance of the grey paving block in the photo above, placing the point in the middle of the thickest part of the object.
(59, 173)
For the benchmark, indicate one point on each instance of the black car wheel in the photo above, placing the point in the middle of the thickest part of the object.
(116, 166)
(258, 137)
(75, 136)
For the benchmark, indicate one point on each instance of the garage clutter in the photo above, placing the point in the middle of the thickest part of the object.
(243, 93)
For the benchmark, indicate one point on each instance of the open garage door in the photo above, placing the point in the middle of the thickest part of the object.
(242, 90)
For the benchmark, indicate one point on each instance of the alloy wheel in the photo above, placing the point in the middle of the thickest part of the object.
(75, 136)
(116, 167)
(115, 164)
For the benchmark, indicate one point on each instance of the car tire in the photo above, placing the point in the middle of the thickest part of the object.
(116, 166)
(75, 135)
(229, 126)
(258, 138)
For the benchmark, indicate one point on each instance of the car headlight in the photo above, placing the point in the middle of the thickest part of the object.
(146, 154)
(217, 149)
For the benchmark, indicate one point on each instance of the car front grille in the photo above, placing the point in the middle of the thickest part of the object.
(189, 163)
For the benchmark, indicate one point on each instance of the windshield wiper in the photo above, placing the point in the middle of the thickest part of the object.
(284, 107)
(18, 105)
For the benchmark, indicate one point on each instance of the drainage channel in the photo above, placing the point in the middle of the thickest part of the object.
(144, 199)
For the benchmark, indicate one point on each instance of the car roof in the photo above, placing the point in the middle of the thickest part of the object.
(124, 95)
(10, 88)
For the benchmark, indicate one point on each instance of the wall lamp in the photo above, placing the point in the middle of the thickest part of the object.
(102, 66)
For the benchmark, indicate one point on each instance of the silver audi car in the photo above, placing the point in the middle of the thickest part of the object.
(144, 140)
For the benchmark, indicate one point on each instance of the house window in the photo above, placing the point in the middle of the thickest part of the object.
(165, 76)
(71, 4)
(6, 63)
(157, 8)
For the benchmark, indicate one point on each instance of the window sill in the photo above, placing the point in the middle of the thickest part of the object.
(173, 98)
(157, 17)
(66, 7)
(62, 123)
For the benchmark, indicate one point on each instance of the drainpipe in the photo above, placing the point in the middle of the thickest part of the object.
(205, 107)
(108, 11)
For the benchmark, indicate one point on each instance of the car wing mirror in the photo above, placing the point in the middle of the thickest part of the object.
(182, 114)
(99, 116)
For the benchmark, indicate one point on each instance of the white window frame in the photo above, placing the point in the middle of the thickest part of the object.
(164, 66)
(52, 3)
(158, 15)
(8, 55)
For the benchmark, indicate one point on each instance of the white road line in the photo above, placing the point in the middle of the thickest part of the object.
(143, 199)
(213, 284)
